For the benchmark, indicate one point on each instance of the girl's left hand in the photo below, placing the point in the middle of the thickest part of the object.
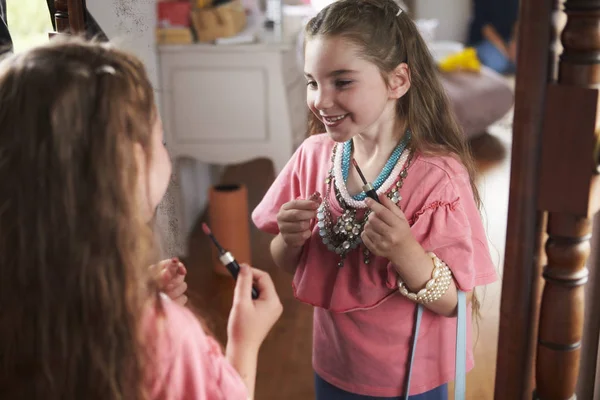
(386, 229)
(171, 279)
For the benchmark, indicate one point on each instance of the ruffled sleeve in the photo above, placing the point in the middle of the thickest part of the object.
(447, 222)
(301, 177)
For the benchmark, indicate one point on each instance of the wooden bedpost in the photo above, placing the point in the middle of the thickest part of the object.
(61, 16)
(521, 274)
(69, 16)
(570, 193)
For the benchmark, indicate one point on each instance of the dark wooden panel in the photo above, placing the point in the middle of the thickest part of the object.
(69, 16)
(569, 126)
(569, 142)
(76, 19)
(61, 16)
(521, 277)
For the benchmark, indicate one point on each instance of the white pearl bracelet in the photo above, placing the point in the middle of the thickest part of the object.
(441, 277)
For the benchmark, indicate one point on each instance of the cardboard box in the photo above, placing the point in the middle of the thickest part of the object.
(174, 36)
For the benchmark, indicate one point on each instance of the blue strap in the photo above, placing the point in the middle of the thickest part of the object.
(460, 384)
(413, 350)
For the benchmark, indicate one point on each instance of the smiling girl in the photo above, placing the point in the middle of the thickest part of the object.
(375, 97)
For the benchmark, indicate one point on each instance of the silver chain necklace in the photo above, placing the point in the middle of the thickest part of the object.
(343, 235)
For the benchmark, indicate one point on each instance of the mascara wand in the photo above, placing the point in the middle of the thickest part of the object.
(226, 258)
(367, 187)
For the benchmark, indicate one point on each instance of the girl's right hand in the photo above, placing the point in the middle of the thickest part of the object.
(294, 219)
(251, 320)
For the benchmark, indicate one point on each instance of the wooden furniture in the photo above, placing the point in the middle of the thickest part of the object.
(227, 104)
(232, 103)
(554, 194)
(69, 16)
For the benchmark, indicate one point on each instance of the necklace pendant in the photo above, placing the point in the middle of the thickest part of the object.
(342, 235)
(366, 254)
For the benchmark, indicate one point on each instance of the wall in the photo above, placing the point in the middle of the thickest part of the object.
(453, 15)
(131, 24)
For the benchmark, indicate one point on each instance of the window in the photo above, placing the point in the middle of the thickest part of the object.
(29, 22)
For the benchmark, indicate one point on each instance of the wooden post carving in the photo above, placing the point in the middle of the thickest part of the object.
(569, 191)
(76, 16)
(69, 16)
(522, 269)
(61, 16)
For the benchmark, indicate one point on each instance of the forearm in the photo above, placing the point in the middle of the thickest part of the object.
(415, 268)
(245, 363)
(285, 257)
(490, 33)
(512, 45)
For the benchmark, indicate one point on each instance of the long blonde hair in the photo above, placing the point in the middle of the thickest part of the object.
(388, 38)
(74, 249)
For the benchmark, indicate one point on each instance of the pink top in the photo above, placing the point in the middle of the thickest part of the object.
(188, 363)
(362, 325)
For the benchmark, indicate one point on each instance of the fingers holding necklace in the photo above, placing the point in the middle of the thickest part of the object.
(386, 228)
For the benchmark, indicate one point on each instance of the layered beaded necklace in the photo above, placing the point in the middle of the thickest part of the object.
(343, 235)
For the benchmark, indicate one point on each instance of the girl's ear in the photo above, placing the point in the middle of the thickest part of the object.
(399, 81)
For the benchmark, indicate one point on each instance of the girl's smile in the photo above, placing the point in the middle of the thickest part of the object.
(334, 120)
(346, 92)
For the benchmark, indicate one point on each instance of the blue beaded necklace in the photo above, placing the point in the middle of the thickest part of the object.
(385, 172)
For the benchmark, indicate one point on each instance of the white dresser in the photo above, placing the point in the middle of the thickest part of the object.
(226, 104)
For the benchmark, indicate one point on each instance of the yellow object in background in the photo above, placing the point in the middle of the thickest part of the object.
(465, 60)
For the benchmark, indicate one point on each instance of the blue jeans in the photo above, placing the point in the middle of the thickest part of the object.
(493, 58)
(326, 391)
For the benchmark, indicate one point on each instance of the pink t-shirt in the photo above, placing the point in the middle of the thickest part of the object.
(187, 363)
(362, 325)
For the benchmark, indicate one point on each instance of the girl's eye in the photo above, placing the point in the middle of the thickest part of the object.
(342, 84)
(311, 84)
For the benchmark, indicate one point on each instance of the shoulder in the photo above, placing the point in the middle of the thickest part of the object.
(186, 362)
(317, 144)
(439, 170)
(171, 331)
(169, 328)
(435, 181)
(313, 156)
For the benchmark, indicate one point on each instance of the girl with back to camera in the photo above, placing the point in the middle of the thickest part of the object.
(372, 87)
(82, 168)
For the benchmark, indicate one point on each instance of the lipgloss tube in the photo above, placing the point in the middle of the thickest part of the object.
(233, 267)
(370, 191)
(227, 259)
(367, 186)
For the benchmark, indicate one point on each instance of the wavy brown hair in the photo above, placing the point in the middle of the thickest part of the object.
(388, 40)
(74, 249)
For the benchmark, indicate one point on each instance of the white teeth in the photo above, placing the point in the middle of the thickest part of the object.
(334, 119)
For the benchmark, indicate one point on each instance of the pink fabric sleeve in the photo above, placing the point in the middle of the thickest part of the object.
(190, 364)
(449, 225)
(286, 187)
